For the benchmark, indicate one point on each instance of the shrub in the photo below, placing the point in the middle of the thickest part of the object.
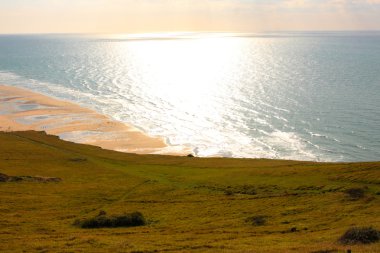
(6, 178)
(355, 193)
(257, 220)
(3, 177)
(247, 189)
(228, 192)
(103, 221)
(358, 235)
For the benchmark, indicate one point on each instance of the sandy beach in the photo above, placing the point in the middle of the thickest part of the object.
(21, 109)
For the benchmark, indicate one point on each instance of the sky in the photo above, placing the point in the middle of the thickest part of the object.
(142, 16)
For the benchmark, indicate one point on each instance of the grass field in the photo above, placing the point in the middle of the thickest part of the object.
(191, 204)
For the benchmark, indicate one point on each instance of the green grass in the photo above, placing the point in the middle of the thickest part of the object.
(190, 204)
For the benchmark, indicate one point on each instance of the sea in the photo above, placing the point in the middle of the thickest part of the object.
(311, 96)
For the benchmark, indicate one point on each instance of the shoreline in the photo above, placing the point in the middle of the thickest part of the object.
(22, 109)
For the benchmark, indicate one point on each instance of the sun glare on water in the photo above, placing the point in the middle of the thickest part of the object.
(196, 83)
(186, 73)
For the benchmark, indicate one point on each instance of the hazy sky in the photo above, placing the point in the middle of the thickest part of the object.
(131, 16)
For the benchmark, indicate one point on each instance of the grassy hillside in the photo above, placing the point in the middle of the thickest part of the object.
(191, 204)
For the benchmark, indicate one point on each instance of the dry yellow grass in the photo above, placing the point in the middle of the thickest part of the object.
(191, 204)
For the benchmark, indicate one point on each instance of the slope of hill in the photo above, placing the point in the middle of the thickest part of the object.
(190, 204)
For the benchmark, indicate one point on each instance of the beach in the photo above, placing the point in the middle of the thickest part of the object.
(21, 110)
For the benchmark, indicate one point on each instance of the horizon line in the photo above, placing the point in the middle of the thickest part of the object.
(189, 32)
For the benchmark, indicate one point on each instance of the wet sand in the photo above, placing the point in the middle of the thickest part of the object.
(21, 109)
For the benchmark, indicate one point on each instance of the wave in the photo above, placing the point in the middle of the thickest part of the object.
(271, 143)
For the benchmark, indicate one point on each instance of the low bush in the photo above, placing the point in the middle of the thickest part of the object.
(6, 178)
(259, 220)
(246, 189)
(355, 193)
(3, 177)
(357, 235)
(103, 221)
(228, 192)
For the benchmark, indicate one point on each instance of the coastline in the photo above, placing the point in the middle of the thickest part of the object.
(22, 109)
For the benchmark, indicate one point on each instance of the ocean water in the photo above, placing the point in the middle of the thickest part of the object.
(302, 96)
